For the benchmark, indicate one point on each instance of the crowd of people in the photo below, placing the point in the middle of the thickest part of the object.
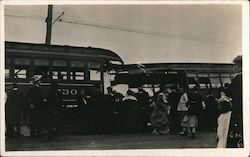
(171, 110)
(30, 110)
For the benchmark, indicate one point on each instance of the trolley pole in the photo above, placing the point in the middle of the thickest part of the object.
(49, 25)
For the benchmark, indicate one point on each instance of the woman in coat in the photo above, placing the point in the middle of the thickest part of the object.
(195, 106)
(159, 116)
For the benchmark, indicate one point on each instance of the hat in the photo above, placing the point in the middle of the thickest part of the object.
(35, 78)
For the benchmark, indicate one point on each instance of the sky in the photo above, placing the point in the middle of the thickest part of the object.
(137, 33)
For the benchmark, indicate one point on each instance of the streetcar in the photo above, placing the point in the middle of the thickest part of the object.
(204, 76)
(75, 69)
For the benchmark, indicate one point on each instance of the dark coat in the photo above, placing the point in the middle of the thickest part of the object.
(83, 106)
(235, 133)
(54, 101)
(14, 105)
(109, 103)
(143, 99)
(35, 98)
(173, 99)
(211, 107)
(195, 104)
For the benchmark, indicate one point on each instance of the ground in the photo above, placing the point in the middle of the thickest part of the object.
(107, 142)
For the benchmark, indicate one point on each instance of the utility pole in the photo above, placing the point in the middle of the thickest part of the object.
(49, 25)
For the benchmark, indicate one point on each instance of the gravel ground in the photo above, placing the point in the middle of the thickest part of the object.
(107, 142)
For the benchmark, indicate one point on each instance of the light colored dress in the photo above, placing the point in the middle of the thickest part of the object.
(223, 123)
(222, 130)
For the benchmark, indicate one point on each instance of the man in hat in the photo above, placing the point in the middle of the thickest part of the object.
(14, 108)
(54, 107)
(35, 102)
(235, 133)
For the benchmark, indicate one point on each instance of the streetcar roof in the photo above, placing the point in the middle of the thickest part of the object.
(61, 50)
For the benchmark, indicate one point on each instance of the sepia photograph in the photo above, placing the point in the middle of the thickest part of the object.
(125, 78)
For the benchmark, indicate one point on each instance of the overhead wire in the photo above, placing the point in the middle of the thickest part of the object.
(26, 16)
(164, 35)
(125, 29)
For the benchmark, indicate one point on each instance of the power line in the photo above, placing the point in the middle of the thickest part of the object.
(26, 16)
(124, 29)
(142, 32)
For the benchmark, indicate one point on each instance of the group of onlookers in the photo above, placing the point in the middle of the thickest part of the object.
(113, 112)
(221, 113)
(31, 110)
(171, 110)
(177, 111)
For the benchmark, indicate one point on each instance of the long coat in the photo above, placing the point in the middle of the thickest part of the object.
(14, 105)
(235, 134)
(195, 104)
(35, 98)
(161, 108)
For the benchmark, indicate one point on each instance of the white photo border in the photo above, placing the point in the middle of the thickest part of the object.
(140, 152)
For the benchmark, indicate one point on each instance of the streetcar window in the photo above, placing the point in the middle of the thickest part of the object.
(215, 82)
(41, 62)
(42, 71)
(203, 86)
(213, 75)
(60, 63)
(191, 86)
(20, 73)
(224, 75)
(95, 75)
(77, 75)
(226, 80)
(7, 73)
(79, 64)
(203, 75)
(22, 61)
(204, 81)
(192, 82)
(63, 75)
(55, 75)
(94, 65)
(191, 75)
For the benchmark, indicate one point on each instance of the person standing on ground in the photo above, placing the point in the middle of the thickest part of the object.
(173, 99)
(54, 107)
(143, 108)
(14, 108)
(110, 111)
(129, 116)
(211, 112)
(36, 106)
(195, 107)
(225, 110)
(182, 110)
(82, 117)
(235, 135)
(159, 117)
